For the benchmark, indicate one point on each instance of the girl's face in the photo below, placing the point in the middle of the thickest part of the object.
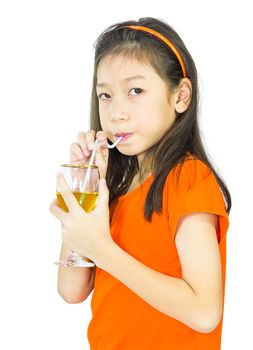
(132, 99)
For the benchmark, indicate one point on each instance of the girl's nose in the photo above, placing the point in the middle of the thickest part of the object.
(118, 109)
(119, 116)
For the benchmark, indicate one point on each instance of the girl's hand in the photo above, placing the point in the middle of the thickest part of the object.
(87, 234)
(80, 151)
(82, 232)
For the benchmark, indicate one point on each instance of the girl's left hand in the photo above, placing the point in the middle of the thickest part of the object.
(87, 234)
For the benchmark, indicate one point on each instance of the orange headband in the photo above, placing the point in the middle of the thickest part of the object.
(162, 37)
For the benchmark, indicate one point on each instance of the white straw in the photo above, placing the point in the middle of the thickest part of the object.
(87, 176)
(115, 143)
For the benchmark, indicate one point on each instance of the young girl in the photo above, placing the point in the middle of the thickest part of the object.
(160, 253)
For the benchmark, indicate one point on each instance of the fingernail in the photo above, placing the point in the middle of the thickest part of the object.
(90, 146)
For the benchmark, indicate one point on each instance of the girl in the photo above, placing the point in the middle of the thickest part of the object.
(158, 232)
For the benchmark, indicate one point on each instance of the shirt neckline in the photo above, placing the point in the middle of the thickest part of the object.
(126, 195)
(150, 177)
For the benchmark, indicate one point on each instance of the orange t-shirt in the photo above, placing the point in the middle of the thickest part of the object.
(121, 320)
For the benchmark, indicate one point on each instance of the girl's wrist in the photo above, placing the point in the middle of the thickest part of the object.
(105, 252)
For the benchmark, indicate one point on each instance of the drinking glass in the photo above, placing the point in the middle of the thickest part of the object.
(83, 179)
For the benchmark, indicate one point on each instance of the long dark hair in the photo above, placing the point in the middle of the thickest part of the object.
(183, 136)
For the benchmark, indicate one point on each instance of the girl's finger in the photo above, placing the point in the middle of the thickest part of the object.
(84, 139)
(76, 153)
(101, 161)
(104, 150)
(102, 139)
(57, 211)
(66, 193)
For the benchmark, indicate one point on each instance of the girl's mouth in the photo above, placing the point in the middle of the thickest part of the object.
(126, 137)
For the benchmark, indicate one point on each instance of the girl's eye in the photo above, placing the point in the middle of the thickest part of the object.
(99, 96)
(137, 89)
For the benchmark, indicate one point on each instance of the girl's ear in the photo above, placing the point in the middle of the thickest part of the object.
(183, 95)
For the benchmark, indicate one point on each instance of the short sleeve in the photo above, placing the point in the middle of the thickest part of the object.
(197, 190)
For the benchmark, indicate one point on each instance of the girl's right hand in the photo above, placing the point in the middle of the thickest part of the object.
(81, 151)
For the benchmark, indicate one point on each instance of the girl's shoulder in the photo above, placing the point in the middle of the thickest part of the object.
(189, 171)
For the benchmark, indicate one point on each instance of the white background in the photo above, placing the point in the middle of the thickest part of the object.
(46, 64)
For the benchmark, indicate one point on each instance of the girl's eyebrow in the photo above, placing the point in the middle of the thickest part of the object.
(124, 80)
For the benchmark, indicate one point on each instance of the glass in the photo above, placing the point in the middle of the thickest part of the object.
(83, 179)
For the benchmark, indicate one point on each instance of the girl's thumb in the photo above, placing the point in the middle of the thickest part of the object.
(103, 194)
(100, 161)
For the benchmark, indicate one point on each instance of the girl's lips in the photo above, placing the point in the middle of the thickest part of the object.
(125, 137)
(123, 134)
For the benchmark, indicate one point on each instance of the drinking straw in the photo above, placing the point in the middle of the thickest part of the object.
(87, 176)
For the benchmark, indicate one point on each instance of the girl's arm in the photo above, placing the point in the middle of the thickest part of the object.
(74, 283)
(196, 298)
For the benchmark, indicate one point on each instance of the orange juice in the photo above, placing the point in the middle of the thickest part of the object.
(88, 203)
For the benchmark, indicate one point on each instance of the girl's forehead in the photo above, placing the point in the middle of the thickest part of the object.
(124, 66)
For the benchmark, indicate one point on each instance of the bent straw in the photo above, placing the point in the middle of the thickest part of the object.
(87, 176)
(115, 143)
